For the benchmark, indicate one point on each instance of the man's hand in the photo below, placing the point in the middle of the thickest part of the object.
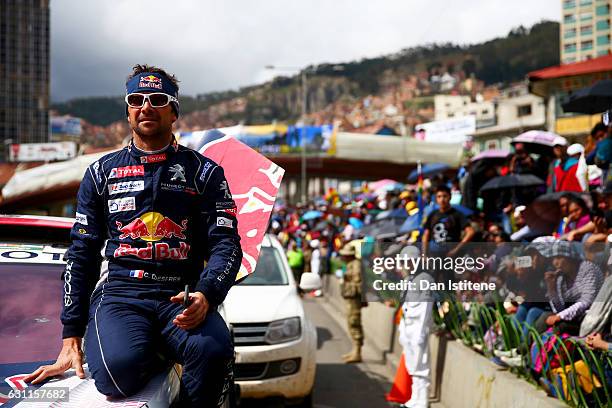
(600, 225)
(595, 341)
(69, 357)
(195, 312)
(552, 320)
(550, 278)
(570, 236)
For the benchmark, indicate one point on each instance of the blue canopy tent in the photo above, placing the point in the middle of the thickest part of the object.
(427, 170)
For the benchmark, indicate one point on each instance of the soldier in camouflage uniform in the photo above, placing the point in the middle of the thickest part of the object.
(351, 291)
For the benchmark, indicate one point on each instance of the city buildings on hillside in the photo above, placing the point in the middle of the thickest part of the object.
(512, 111)
(555, 83)
(454, 106)
(585, 29)
(516, 111)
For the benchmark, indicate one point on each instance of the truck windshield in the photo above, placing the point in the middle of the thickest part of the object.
(269, 269)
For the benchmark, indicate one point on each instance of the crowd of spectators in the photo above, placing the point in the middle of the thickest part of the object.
(562, 225)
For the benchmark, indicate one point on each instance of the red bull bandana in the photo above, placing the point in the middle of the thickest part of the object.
(153, 82)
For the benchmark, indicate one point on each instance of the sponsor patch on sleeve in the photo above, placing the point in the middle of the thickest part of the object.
(231, 211)
(225, 222)
(122, 204)
(96, 169)
(225, 205)
(207, 167)
(81, 218)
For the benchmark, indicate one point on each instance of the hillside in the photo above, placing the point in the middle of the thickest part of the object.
(396, 79)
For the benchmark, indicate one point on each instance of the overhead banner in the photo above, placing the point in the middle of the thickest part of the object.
(26, 152)
(446, 131)
(66, 125)
(273, 139)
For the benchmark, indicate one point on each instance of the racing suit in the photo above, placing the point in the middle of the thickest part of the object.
(146, 223)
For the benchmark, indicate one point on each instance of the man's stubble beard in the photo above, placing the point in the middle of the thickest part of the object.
(158, 134)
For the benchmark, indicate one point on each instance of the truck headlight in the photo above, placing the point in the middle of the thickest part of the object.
(284, 330)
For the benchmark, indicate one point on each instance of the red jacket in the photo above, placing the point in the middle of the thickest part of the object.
(565, 180)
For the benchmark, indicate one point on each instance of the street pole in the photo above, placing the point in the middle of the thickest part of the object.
(303, 189)
(303, 140)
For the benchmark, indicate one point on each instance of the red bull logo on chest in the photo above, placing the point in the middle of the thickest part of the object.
(152, 226)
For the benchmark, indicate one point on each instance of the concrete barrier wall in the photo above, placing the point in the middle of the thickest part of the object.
(460, 377)
(469, 380)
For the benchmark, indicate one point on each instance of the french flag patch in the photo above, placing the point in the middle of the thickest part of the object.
(137, 274)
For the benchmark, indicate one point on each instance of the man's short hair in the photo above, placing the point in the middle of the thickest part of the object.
(599, 127)
(443, 188)
(140, 68)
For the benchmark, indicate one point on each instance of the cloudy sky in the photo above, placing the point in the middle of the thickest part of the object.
(219, 45)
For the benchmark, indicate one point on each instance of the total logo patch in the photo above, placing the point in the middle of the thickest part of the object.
(125, 187)
(224, 222)
(153, 158)
(127, 171)
(121, 204)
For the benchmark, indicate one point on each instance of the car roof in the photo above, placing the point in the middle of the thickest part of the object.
(38, 229)
(36, 221)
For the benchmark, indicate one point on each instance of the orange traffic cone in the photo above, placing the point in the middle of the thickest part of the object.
(401, 390)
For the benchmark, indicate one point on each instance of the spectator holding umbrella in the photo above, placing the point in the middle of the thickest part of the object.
(522, 162)
(558, 169)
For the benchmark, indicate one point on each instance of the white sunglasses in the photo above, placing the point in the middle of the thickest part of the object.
(156, 99)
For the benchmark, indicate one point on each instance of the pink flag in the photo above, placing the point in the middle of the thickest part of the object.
(254, 182)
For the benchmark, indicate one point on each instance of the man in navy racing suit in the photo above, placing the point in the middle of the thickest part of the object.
(149, 217)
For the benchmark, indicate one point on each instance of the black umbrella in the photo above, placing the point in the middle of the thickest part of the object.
(512, 181)
(591, 100)
(544, 213)
(385, 228)
(427, 170)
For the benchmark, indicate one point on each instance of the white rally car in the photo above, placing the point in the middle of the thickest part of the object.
(275, 341)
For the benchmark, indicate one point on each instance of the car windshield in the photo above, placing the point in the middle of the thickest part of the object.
(30, 307)
(269, 269)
